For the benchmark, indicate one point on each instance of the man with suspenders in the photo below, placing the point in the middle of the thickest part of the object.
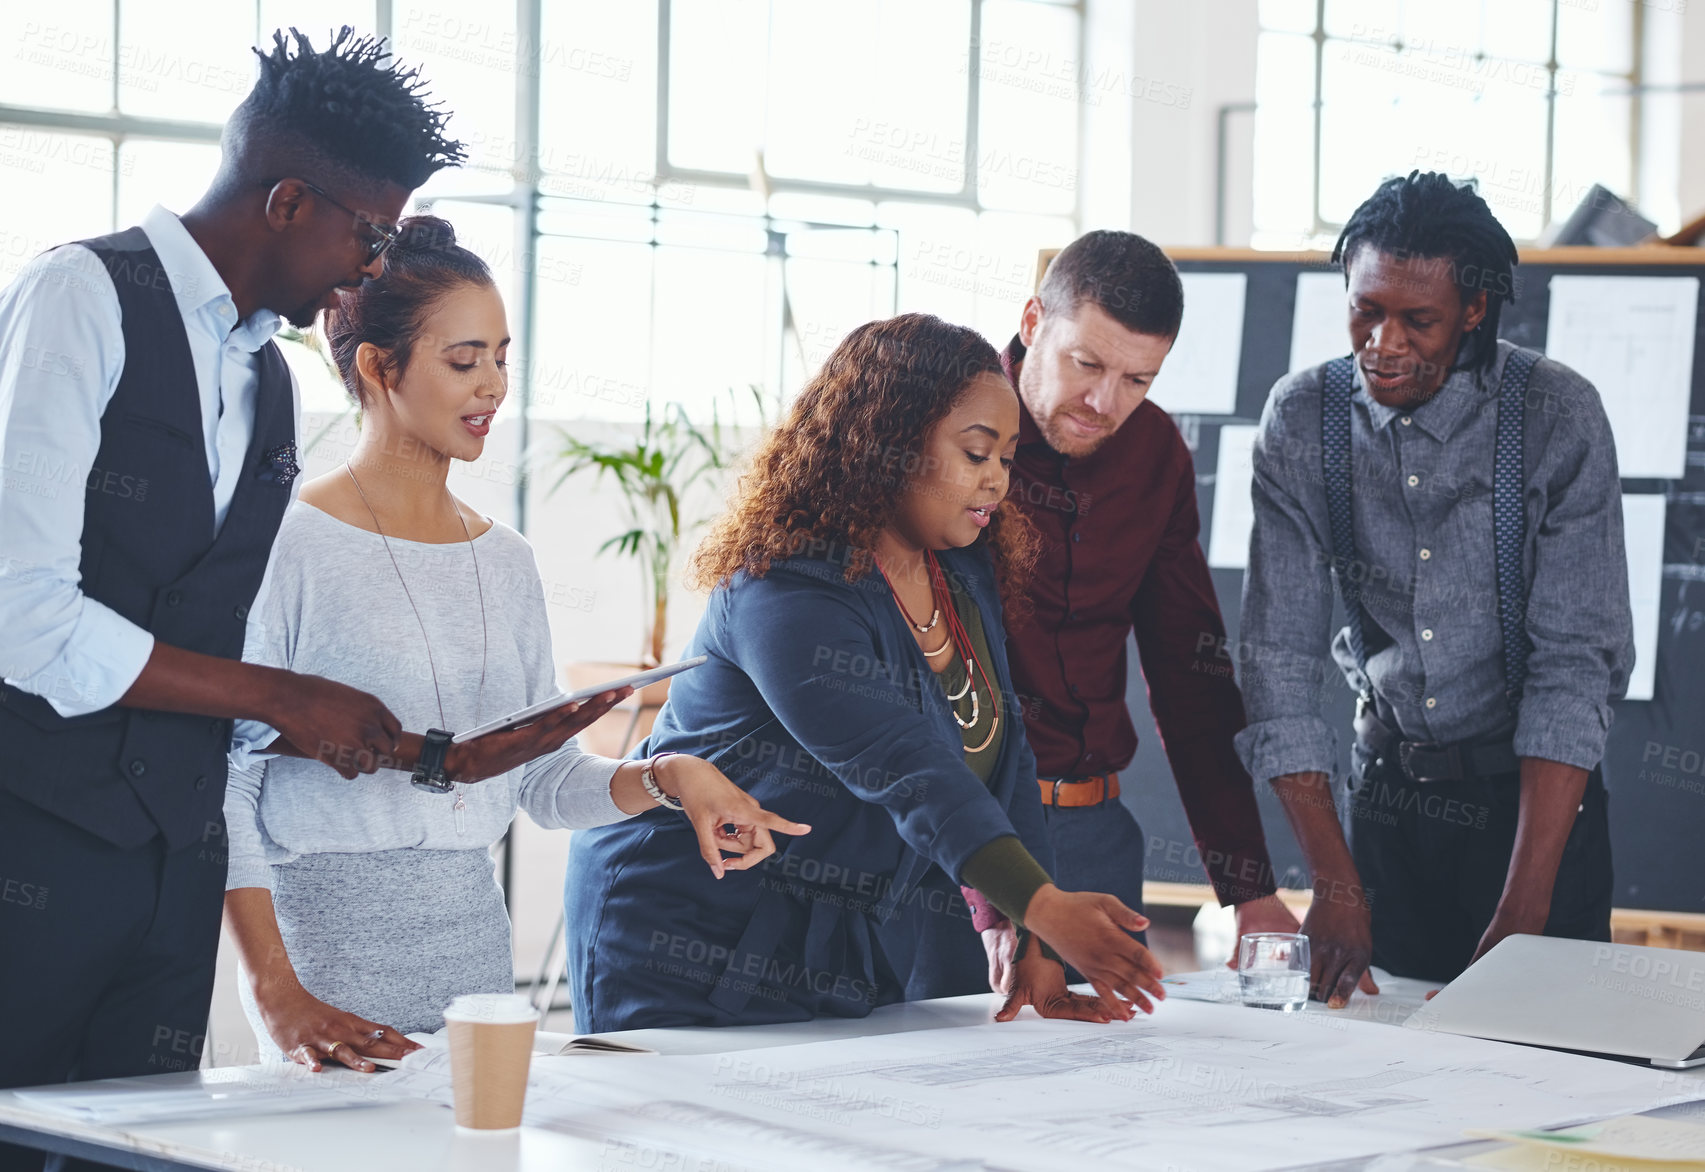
(147, 435)
(1463, 494)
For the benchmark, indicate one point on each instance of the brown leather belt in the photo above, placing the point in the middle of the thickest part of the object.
(1082, 791)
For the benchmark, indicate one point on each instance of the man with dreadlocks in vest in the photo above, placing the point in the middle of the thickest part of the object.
(148, 431)
(1463, 494)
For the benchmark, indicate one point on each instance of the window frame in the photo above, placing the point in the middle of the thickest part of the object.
(524, 195)
(1323, 41)
(965, 197)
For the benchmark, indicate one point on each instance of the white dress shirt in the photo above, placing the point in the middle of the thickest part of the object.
(61, 354)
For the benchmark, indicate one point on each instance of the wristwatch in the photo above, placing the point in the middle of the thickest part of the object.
(648, 778)
(429, 771)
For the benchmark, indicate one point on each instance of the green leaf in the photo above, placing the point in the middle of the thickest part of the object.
(627, 543)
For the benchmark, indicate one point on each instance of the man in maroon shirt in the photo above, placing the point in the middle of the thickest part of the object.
(1109, 481)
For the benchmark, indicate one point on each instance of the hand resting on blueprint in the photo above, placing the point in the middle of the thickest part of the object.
(1038, 979)
(304, 1027)
(1091, 931)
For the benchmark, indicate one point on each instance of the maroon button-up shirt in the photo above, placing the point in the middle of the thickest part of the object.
(1119, 531)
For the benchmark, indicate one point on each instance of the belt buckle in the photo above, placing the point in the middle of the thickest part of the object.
(1072, 785)
(1407, 749)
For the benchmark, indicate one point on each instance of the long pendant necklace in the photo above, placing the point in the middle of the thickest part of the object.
(460, 809)
(972, 723)
(960, 694)
(994, 713)
(968, 652)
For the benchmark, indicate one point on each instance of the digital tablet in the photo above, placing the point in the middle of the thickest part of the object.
(526, 715)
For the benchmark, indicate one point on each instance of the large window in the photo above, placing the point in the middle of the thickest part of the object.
(108, 107)
(679, 196)
(792, 168)
(1532, 98)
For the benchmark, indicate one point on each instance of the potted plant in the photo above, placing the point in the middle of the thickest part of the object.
(657, 470)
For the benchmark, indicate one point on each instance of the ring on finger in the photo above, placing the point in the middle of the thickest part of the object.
(332, 1049)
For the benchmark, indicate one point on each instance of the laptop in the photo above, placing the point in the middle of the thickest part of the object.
(1619, 1000)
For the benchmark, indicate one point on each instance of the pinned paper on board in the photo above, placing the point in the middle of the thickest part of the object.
(1234, 507)
(1199, 376)
(1643, 538)
(1320, 328)
(1632, 338)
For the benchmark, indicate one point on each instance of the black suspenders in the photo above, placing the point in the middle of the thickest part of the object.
(1508, 520)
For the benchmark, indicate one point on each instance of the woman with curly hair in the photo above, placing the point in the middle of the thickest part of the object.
(857, 680)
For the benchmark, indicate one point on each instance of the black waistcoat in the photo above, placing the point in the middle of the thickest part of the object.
(149, 551)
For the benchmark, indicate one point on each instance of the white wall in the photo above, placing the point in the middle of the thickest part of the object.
(1196, 57)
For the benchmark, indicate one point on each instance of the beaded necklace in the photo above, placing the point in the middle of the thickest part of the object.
(957, 639)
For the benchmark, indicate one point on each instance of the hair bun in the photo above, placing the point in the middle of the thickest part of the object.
(424, 234)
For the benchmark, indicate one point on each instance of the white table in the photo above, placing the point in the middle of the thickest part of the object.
(419, 1135)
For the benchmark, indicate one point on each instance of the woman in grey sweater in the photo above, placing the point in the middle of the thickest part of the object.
(361, 906)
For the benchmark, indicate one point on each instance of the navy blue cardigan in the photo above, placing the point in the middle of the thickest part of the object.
(817, 700)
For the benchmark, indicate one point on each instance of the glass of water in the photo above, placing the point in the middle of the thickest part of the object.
(1272, 970)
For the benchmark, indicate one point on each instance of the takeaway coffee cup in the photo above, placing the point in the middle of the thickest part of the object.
(491, 1048)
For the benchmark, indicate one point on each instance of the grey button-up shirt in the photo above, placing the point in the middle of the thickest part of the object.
(1422, 503)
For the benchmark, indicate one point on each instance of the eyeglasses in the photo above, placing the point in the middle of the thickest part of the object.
(383, 237)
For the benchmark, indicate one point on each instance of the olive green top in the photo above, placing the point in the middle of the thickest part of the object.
(1002, 870)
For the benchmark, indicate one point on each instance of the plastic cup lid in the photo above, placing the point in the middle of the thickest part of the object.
(496, 1008)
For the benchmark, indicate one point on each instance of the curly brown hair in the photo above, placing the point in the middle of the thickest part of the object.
(832, 474)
